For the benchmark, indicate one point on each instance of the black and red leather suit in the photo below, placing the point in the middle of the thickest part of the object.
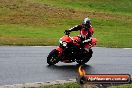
(85, 34)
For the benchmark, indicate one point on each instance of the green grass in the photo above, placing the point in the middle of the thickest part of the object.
(69, 85)
(42, 22)
(28, 35)
(65, 85)
(75, 85)
(117, 6)
(123, 86)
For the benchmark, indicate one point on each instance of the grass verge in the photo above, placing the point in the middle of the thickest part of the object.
(123, 86)
(75, 85)
(69, 85)
(42, 22)
(65, 85)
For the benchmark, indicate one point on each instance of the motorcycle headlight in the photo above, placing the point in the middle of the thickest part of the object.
(64, 44)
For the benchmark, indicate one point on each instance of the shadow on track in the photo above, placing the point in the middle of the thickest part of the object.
(70, 70)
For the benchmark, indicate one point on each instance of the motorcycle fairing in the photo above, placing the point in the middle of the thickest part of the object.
(66, 38)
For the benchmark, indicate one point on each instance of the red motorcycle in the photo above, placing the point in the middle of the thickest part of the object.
(71, 50)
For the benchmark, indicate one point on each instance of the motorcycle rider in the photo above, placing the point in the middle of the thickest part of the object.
(86, 32)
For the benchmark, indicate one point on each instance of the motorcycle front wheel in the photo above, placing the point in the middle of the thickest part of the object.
(52, 58)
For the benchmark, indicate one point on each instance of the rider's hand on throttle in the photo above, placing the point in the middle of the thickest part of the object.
(67, 32)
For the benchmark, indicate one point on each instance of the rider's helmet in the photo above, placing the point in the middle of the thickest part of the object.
(86, 23)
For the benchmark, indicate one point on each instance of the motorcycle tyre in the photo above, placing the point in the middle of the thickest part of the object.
(53, 55)
(86, 59)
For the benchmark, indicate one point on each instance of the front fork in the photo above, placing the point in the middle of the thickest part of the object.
(60, 50)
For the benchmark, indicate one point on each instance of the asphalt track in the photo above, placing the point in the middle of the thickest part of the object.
(28, 64)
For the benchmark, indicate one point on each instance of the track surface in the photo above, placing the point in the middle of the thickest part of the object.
(28, 64)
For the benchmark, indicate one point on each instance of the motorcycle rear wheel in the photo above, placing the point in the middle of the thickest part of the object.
(86, 57)
(52, 58)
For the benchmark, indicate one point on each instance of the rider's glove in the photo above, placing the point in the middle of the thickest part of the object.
(67, 31)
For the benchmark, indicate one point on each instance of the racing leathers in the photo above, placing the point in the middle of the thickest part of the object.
(85, 34)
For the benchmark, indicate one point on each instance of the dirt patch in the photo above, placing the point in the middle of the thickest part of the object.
(29, 13)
